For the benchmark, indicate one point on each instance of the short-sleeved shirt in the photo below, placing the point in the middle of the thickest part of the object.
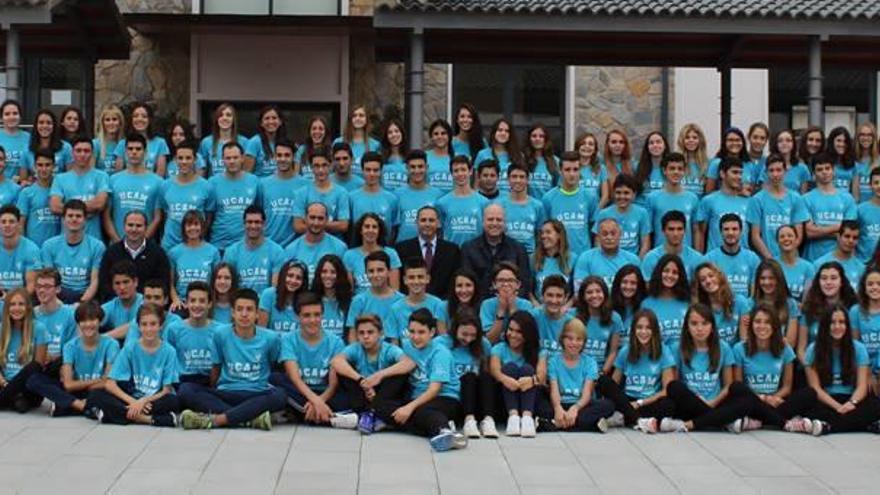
(643, 378)
(575, 209)
(762, 371)
(698, 375)
(635, 224)
(353, 259)
(255, 265)
(670, 314)
(191, 264)
(409, 201)
(84, 186)
(303, 250)
(367, 302)
(41, 223)
(357, 357)
(116, 313)
(175, 199)
(244, 364)
(714, 206)
(74, 262)
(827, 209)
(434, 364)
(60, 327)
(148, 372)
(233, 196)
(16, 263)
(156, 147)
(570, 380)
(462, 216)
(549, 329)
(281, 320)
(662, 201)
(313, 359)
(837, 387)
(462, 359)
(397, 325)
(193, 346)
(599, 337)
(90, 365)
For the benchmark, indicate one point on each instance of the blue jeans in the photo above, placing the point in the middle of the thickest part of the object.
(53, 390)
(239, 406)
(339, 401)
(519, 401)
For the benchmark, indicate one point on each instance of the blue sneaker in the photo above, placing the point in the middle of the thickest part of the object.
(378, 424)
(448, 439)
(366, 423)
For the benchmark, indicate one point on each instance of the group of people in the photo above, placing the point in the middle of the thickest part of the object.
(361, 284)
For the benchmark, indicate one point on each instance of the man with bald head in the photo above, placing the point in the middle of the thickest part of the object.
(492, 247)
(605, 259)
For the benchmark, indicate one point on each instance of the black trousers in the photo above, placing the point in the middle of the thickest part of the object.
(427, 420)
(478, 395)
(865, 413)
(115, 409)
(796, 404)
(393, 388)
(587, 418)
(17, 387)
(689, 406)
(612, 391)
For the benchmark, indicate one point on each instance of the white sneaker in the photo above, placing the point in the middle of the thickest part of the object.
(798, 425)
(646, 425)
(347, 421)
(602, 425)
(616, 420)
(527, 427)
(672, 425)
(487, 426)
(514, 426)
(470, 429)
(751, 424)
(735, 427)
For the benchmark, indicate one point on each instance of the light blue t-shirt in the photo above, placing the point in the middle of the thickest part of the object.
(592, 181)
(635, 224)
(506, 355)
(134, 330)
(396, 327)
(762, 371)
(462, 216)
(503, 160)
(643, 378)
(13, 365)
(769, 213)
(172, 169)
(409, 201)
(303, 250)
(523, 221)
(75, 262)
(148, 372)
(714, 206)
(15, 264)
(353, 259)
(728, 326)
(278, 199)
(333, 319)
(358, 148)
(313, 360)
(868, 326)
(660, 202)
(244, 364)
(212, 155)
(233, 196)
(193, 346)
(576, 211)
(357, 357)
(434, 364)
(827, 209)
(382, 203)
(280, 320)
(256, 266)
(192, 264)
(795, 176)
(489, 308)
(542, 179)
(41, 223)
(798, 276)
(868, 215)
(90, 365)
(596, 262)
(60, 327)
(438, 172)
(130, 192)
(599, 337)
(863, 169)
(352, 183)
(175, 199)
(16, 146)
(693, 180)
(264, 163)
(739, 268)
(394, 174)
(837, 387)
(549, 329)
(334, 199)
(549, 267)
(72, 185)
(843, 177)
(698, 376)
(462, 359)
(367, 302)
(116, 314)
(105, 156)
(63, 158)
(156, 147)
(9, 192)
(570, 380)
(670, 314)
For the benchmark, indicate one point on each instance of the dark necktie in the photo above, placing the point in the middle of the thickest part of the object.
(429, 255)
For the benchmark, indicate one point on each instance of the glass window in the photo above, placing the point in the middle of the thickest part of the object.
(295, 115)
(61, 83)
(306, 7)
(248, 7)
(271, 7)
(524, 94)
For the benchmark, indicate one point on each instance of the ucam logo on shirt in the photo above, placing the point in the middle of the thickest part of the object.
(249, 371)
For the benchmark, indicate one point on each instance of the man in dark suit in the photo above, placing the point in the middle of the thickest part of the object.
(482, 254)
(441, 257)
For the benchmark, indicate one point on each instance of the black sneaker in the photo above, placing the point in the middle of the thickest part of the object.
(874, 427)
(21, 404)
(165, 420)
(545, 425)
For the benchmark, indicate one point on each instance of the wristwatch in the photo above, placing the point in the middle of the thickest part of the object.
(854, 402)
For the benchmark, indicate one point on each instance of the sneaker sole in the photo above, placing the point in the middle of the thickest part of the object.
(442, 442)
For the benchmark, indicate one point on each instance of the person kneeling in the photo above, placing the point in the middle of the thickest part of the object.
(140, 387)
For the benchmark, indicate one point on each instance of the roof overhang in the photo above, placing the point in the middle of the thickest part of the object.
(260, 24)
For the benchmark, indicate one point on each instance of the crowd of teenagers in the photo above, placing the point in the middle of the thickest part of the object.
(357, 283)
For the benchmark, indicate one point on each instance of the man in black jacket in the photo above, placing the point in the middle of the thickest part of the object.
(441, 257)
(150, 260)
(493, 246)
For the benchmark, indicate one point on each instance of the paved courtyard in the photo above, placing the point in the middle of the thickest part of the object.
(73, 455)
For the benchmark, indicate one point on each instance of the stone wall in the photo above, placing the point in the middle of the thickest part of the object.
(157, 71)
(628, 98)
